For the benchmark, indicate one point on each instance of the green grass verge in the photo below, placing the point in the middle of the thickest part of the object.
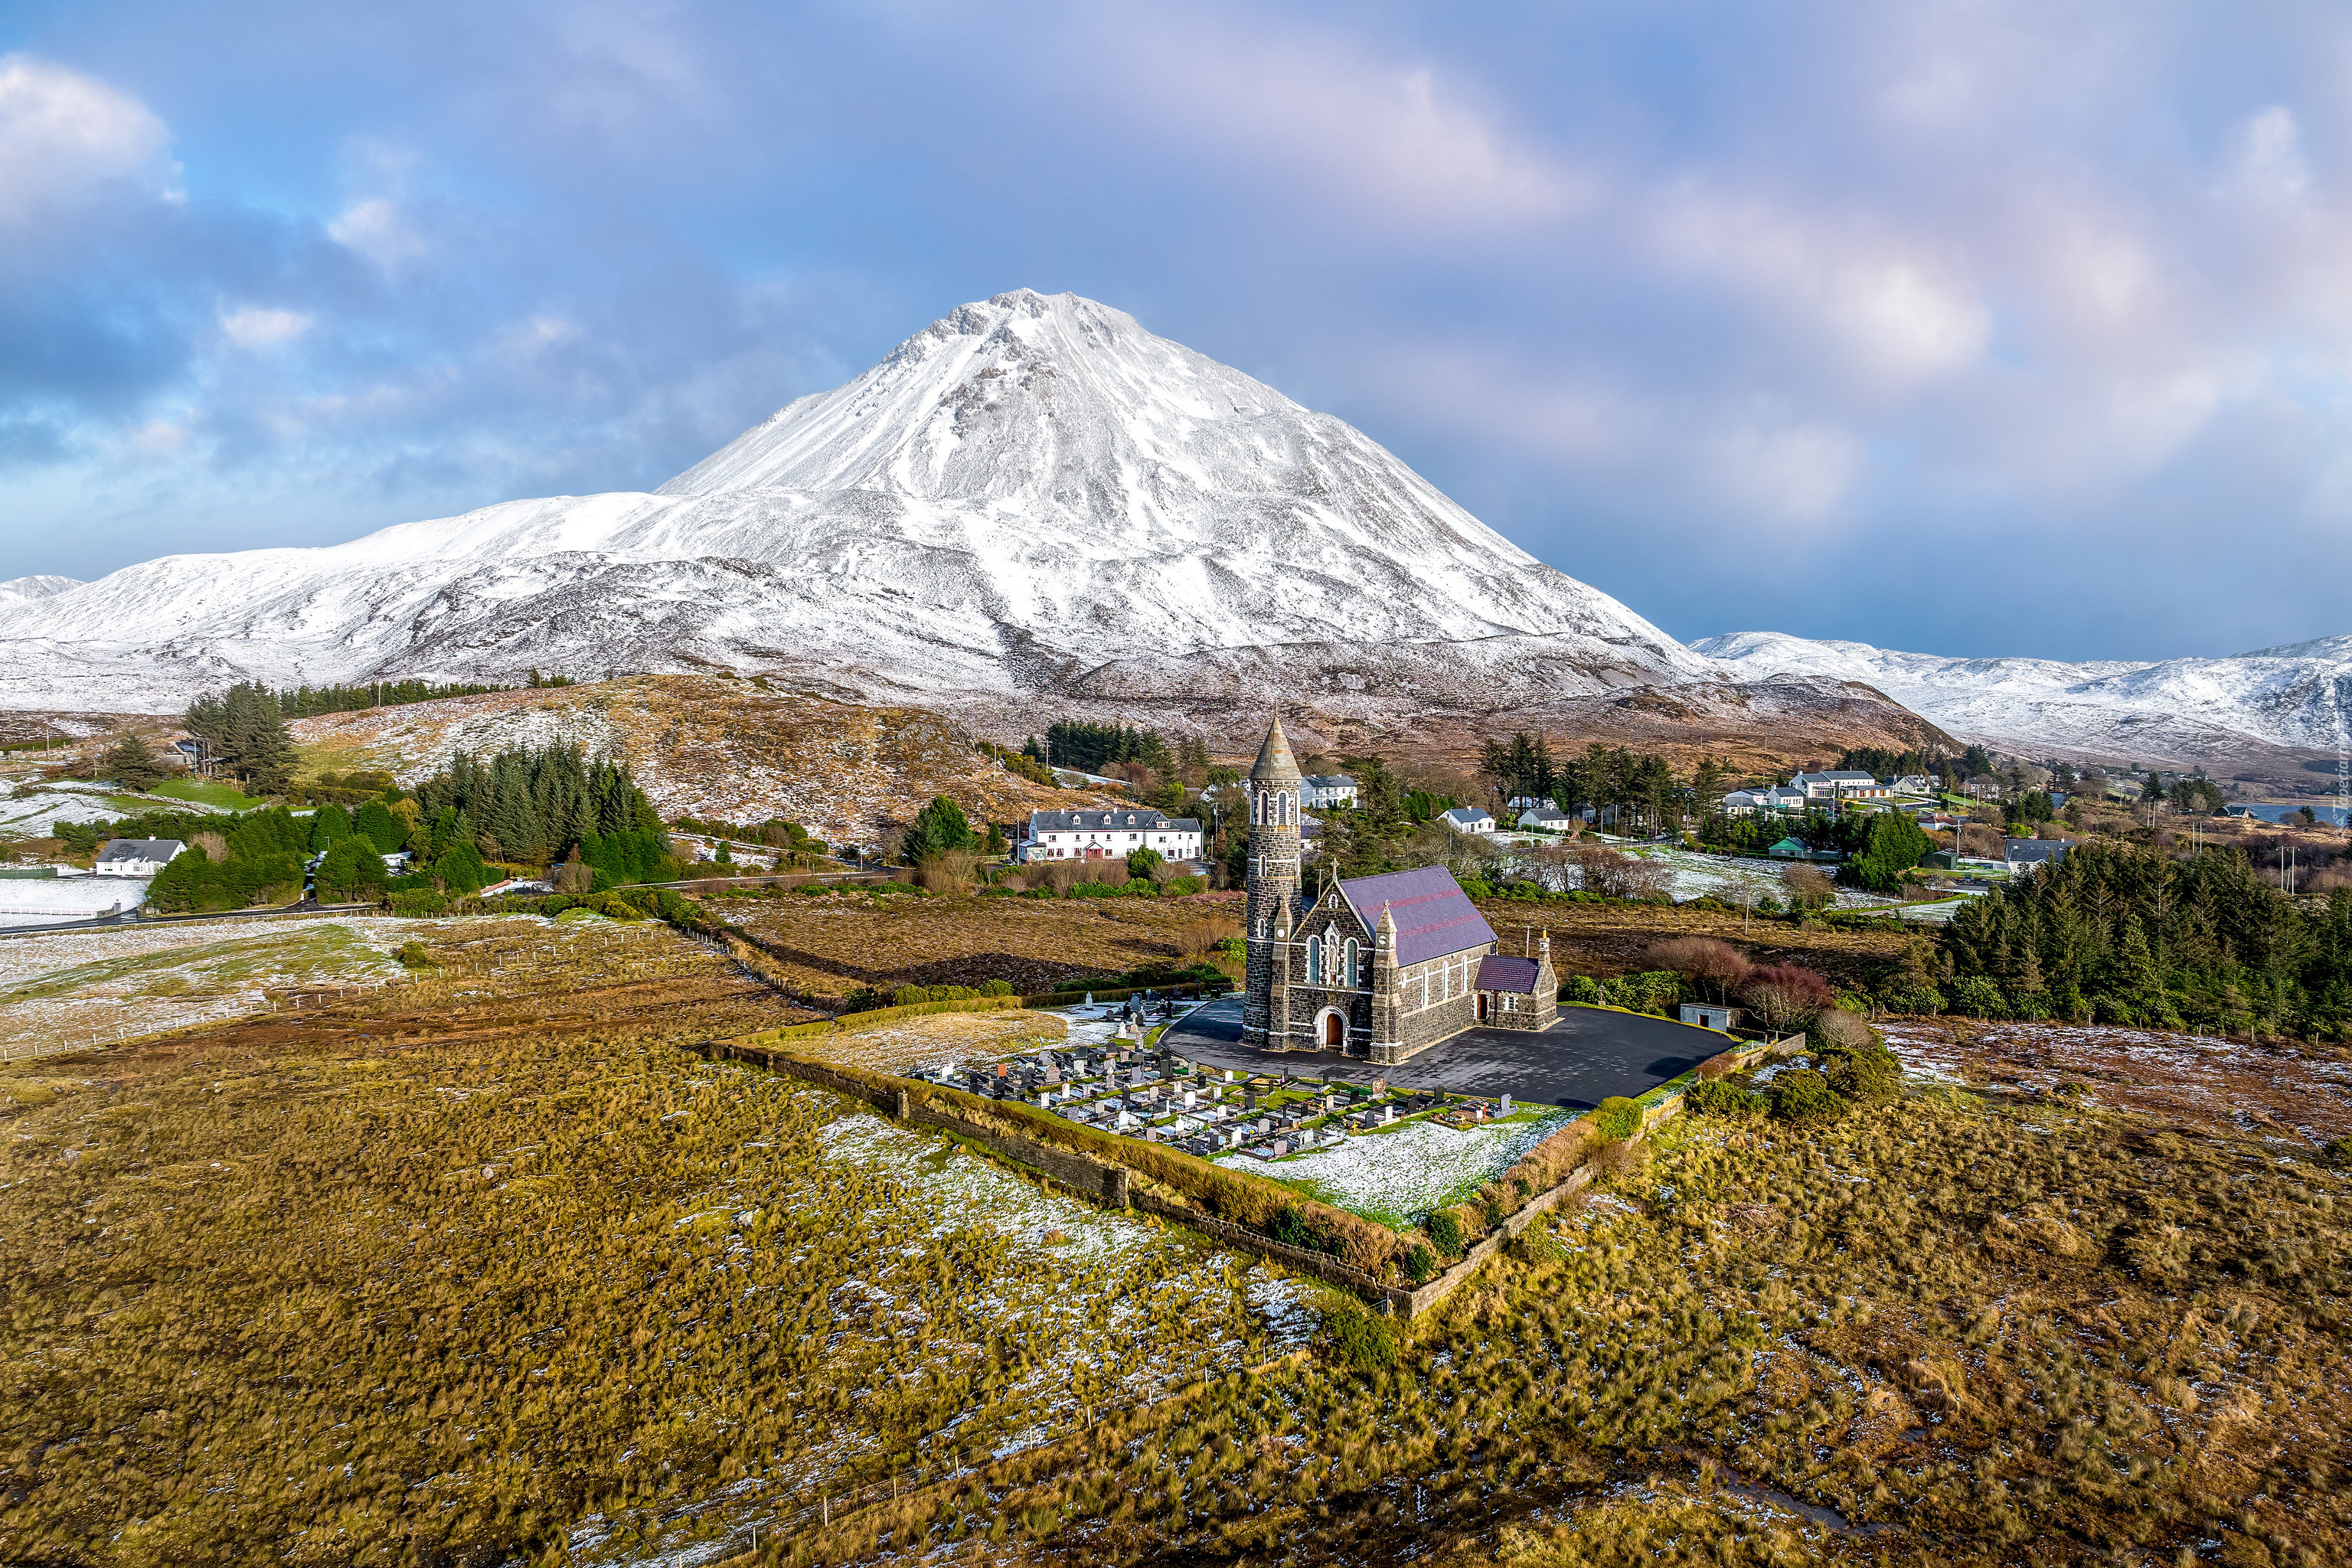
(201, 794)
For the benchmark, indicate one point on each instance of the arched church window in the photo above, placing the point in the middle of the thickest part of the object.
(1354, 975)
(1314, 961)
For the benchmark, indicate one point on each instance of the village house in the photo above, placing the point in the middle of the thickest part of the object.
(1376, 967)
(1844, 785)
(136, 856)
(1110, 835)
(1467, 819)
(1548, 821)
(1776, 797)
(2024, 853)
(1329, 789)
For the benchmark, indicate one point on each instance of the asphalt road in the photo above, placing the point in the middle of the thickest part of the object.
(1582, 1061)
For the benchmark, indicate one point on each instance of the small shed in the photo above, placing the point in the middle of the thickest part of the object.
(1790, 849)
(1709, 1015)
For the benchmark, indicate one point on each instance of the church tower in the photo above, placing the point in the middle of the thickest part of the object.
(1275, 787)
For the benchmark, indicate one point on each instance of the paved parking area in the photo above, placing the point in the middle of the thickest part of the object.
(1582, 1061)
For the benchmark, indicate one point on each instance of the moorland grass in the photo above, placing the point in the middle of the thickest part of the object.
(1970, 1333)
(457, 1302)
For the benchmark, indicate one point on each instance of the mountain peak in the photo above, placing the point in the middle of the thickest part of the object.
(1032, 493)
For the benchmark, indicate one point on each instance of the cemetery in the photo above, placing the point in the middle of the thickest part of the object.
(1129, 1087)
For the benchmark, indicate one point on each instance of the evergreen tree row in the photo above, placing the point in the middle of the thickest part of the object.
(1090, 747)
(2129, 934)
(305, 701)
(539, 804)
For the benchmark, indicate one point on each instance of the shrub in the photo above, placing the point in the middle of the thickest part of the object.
(1585, 989)
(1359, 1340)
(1444, 1230)
(1784, 997)
(1721, 1097)
(1804, 1095)
(1420, 1264)
(1975, 996)
(1180, 886)
(417, 903)
(412, 955)
(1618, 1118)
(1716, 966)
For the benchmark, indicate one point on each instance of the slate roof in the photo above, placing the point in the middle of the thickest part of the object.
(1330, 780)
(139, 849)
(1463, 815)
(1499, 973)
(2034, 851)
(1140, 821)
(1433, 915)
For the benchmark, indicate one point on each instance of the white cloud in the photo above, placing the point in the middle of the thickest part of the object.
(257, 327)
(2273, 155)
(1318, 117)
(1875, 299)
(376, 228)
(64, 136)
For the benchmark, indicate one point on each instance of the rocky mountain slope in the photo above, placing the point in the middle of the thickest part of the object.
(1033, 495)
(709, 746)
(2293, 701)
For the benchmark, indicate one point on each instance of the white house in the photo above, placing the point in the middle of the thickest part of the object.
(1532, 803)
(136, 856)
(1468, 819)
(1328, 789)
(1109, 835)
(1844, 785)
(1915, 784)
(1548, 820)
(1778, 797)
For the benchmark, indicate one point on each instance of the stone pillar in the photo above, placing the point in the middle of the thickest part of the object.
(1387, 995)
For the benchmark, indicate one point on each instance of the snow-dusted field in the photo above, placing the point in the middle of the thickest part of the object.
(32, 808)
(87, 987)
(1399, 1176)
(53, 900)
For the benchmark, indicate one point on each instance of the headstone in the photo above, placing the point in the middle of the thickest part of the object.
(1380, 1087)
(1229, 1075)
(1249, 1100)
(1506, 1105)
(1388, 1115)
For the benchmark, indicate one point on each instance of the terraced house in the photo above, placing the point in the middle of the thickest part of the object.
(1380, 967)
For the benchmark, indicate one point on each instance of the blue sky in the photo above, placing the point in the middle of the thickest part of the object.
(1973, 328)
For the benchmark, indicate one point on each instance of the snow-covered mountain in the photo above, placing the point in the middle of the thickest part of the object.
(24, 590)
(2297, 696)
(1030, 494)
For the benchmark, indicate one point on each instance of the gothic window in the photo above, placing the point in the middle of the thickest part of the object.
(1354, 976)
(1314, 961)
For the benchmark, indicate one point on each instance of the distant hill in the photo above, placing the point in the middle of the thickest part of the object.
(2294, 698)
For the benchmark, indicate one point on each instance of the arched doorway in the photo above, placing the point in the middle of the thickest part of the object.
(1333, 1028)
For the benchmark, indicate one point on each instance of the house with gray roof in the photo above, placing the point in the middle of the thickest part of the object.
(1328, 789)
(2024, 853)
(1109, 835)
(136, 856)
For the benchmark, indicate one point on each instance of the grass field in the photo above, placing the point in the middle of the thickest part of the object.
(284, 1291)
(203, 792)
(485, 1266)
(834, 943)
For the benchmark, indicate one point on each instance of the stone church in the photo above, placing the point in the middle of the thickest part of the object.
(1379, 967)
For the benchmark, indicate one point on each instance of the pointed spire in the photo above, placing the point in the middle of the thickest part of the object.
(1385, 937)
(1276, 765)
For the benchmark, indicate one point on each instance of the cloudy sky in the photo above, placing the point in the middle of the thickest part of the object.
(1965, 328)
